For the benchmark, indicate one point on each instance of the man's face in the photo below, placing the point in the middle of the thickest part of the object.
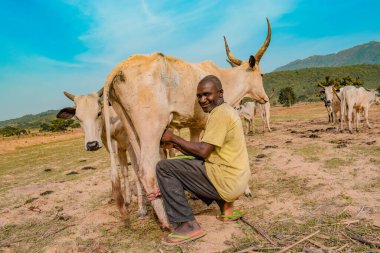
(209, 96)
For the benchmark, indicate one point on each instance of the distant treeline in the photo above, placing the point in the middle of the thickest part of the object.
(56, 125)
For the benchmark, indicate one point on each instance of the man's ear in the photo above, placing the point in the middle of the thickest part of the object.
(66, 113)
(221, 93)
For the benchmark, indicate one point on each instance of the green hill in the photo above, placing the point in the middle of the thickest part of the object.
(368, 53)
(31, 120)
(304, 81)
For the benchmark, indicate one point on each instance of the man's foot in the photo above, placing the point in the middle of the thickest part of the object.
(236, 215)
(184, 232)
(227, 212)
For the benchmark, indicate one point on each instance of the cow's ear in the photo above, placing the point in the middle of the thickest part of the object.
(66, 113)
(252, 61)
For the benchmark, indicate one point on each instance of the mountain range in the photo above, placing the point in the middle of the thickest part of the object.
(368, 53)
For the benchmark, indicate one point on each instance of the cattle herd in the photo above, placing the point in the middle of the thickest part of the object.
(145, 94)
(347, 104)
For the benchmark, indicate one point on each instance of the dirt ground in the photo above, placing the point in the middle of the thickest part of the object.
(306, 177)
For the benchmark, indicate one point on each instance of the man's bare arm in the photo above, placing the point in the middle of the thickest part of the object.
(199, 149)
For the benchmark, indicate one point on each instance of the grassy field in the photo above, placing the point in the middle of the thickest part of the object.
(55, 197)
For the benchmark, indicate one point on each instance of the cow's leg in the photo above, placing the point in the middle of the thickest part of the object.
(123, 162)
(366, 117)
(349, 115)
(246, 121)
(250, 126)
(262, 116)
(146, 148)
(357, 120)
(343, 114)
(116, 185)
(267, 116)
(141, 212)
(149, 158)
(163, 153)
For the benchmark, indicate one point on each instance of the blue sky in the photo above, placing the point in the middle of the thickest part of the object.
(48, 46)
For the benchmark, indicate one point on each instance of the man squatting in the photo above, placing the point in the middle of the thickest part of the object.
(219, 172)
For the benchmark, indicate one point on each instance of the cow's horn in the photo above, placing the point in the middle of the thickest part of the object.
(69, 95)
(321, 85)
(231, 63)
(230, 56)
(100, 92)
(264, 47)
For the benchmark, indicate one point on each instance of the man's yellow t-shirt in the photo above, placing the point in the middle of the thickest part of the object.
(227, 166)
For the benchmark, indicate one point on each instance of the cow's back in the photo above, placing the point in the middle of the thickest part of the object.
(166, 82)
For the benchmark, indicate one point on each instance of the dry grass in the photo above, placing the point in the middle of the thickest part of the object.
(299, 185)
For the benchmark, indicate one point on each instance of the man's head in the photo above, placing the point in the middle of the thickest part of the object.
(210, 93)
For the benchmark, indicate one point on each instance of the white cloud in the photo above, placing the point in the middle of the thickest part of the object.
(123, 28)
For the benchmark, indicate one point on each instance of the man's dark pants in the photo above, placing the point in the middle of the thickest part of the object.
(179, 175)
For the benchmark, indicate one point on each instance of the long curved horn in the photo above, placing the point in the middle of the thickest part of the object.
(69, 95)
(264, 47)
(321, 85)
(234, 60)
(100, 92)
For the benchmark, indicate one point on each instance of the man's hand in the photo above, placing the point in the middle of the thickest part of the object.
(167, 136)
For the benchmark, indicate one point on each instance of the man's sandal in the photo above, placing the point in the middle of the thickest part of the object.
(236, 215)
(183, 239)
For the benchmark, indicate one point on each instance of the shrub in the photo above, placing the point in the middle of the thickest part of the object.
(287, 96)
(11, 131)
(58, 125)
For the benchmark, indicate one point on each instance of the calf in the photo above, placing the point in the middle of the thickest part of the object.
(247, 111)
(89, 112)
(332, 102)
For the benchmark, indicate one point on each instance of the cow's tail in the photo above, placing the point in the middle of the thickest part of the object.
(116, 186)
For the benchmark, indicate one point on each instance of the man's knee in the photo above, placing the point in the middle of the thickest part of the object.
(161, 167)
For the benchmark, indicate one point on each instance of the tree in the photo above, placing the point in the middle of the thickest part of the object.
(287, 96)
(58, 125)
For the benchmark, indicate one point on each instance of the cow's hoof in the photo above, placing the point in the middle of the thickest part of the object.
(248, 194)
(141, 213)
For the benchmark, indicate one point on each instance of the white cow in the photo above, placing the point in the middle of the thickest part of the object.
(355, 100)
(163, 89)
(265, 114)
(89, 111)
(248, 111)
